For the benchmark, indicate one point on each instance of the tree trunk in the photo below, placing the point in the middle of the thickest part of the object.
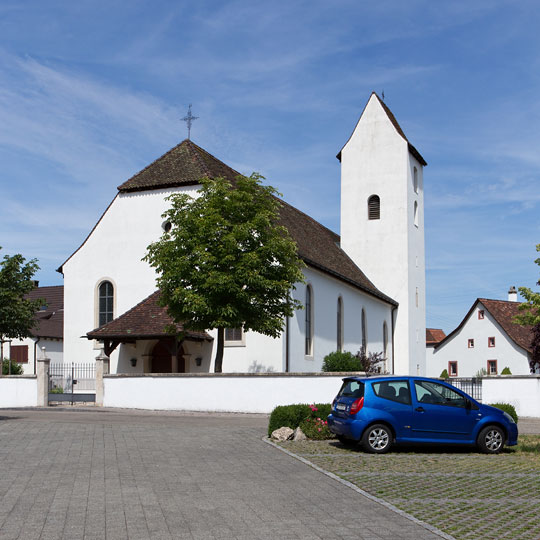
(218, 364)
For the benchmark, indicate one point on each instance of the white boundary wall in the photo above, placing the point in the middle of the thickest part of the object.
(521, 392)
(250, 393)
(18, 391)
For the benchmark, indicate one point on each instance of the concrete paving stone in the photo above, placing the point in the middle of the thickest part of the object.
(95, 474)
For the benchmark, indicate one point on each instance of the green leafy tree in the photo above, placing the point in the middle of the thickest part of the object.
(530, 316)
(225, 262)
(11, 367)
(16, 311)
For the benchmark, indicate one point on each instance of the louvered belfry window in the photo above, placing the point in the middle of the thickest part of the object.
(374, 207)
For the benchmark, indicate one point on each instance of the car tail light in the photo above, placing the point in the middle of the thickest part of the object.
(357, 405)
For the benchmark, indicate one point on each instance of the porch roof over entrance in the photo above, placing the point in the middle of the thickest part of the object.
(146, 320)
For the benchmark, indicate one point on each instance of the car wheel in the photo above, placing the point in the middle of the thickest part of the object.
(491, 440)
(377, 439)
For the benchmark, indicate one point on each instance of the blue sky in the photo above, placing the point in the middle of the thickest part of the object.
(92, 91)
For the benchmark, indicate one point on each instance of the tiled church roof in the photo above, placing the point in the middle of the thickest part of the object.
(183, 165)
(146, 320)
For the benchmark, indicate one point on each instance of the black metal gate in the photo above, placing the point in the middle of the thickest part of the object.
(73, 383)
(472, 386)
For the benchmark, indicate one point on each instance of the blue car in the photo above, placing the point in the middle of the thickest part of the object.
(381, 411)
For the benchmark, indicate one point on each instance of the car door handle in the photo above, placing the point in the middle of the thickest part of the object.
(420, 409)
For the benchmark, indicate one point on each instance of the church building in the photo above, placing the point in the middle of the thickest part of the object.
(365, 289)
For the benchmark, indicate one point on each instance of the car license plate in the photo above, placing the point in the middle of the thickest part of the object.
(341, 407)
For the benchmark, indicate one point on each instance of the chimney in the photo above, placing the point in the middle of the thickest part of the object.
(512, 294)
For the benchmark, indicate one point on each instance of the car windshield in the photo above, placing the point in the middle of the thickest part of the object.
(351, 388)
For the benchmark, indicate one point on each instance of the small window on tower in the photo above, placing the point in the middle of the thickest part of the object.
(374, 207)
(471, 343)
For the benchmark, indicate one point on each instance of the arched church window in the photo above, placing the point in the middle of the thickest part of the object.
(374, 207)
(415, 179)
(340, 324)
(364, 331)
(105, 303)
(309, 321)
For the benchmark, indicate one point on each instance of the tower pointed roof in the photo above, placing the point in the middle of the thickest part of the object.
(183, 165)
(396, 125)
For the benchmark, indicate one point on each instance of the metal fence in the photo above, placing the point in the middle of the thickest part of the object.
(74, 378)
(472, 386)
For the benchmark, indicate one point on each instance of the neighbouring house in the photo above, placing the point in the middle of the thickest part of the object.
(47, 333)
(487, 338)
(363, 289)
(434, 336)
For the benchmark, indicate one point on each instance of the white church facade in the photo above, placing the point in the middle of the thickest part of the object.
(365, 288)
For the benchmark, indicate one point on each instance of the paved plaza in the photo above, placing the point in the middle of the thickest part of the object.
(102, 474)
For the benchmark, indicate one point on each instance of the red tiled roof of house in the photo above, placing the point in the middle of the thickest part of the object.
(504, 312)
(146, 320)
(49, 319)
(434, 335)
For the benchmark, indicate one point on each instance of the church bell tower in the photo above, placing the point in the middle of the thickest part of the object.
(382, 224)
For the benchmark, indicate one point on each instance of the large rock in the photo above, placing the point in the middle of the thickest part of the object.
(282, 434)
(299, 435)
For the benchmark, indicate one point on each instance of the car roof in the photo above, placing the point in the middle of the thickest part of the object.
(391, 378)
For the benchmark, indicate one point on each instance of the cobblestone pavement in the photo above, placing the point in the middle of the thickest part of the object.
(101, 474)
(464, 493)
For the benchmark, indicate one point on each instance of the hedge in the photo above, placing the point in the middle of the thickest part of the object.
(293, 415)
(506, 407)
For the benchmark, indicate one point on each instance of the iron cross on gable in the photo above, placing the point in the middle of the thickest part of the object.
(189, 120)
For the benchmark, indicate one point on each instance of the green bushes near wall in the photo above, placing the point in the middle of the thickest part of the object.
(294, 415)
(506, 407)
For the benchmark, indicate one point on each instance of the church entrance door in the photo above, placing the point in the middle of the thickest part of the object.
(162, 358)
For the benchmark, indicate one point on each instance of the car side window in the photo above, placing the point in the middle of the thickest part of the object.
(393, 390)
(438, 394)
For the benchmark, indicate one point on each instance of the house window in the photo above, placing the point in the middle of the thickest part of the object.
(339, 324)
(234, 337)
(309, 321)
(415, 179)
(106, 303)
(416, 213)
(480, 313)
(492, 367)
(364, 331)
(374, 207)
(19, 354)
(452, 369)
(470, 343)
(491, 342)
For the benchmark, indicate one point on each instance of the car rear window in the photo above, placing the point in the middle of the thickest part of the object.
(354, 389)
(393, 390)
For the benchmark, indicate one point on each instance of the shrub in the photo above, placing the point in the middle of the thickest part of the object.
(315, 426)
(444, 374)
(506, 407)
(340, 361)
(506, 371)
(56, 390)
(481, 373)
(293, 415)
(16, 369)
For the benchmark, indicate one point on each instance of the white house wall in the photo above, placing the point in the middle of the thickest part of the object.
(54, 349)
(325, 293)
(471, 360)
